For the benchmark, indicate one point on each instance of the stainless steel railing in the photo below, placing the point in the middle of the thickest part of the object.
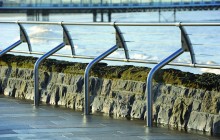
(186, 46)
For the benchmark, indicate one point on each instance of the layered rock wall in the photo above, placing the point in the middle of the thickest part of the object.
(176, 104)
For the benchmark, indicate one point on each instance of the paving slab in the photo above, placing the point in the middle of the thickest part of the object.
(20, 120)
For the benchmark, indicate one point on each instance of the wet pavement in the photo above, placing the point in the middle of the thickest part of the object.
(21, 120)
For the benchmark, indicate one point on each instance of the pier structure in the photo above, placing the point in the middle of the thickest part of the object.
(39, 10)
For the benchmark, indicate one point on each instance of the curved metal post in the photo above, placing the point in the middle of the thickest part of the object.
(67, 38)
(24, 37)
(120, 41)
(10, 48)
(150, 80)
(186, 47)
(86, 77)
(36, 72)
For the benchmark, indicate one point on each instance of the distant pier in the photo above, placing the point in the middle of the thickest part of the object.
(39, 10)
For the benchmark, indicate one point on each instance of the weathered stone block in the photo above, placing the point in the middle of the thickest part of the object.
(164, 115)
(138, 109)
(97, 105)
(9, 92)
(216, 124)
(200, 121)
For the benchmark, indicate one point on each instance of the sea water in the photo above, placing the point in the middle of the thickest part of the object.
(145, 43)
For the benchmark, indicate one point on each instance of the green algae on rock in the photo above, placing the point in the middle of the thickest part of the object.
(206, 81)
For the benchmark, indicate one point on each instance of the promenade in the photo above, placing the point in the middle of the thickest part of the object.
(21, 120)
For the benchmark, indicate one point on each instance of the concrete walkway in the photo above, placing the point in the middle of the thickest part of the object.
(21, 120)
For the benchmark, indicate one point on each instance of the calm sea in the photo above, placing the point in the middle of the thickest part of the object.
(150, 43)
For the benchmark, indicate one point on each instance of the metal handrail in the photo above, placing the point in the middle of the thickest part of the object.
(186, 47)
(113, 23)
(122, 60)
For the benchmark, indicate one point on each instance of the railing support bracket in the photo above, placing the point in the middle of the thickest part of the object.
(36, 72)
(23, 38)
(186, 47)
(86, 77)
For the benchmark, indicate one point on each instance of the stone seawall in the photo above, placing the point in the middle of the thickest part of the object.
(181, 100)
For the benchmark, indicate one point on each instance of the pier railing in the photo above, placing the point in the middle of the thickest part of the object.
(106, 3)
(119, 43)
